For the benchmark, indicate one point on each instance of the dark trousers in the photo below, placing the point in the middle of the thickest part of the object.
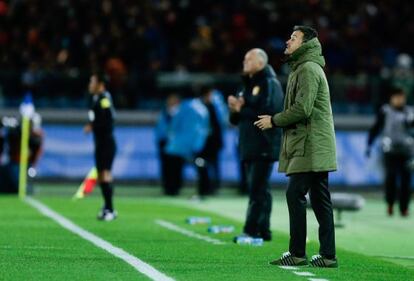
(172, 172)
(163, 158)
(317, 185)
(396, 169)
(243, 187)
(208, 174)
(214, 171)
(208, 168)
(260, 199)
(172, 167)
(105, 150)
(9, 178)
(204, 180)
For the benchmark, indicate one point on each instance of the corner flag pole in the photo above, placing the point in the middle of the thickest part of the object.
(27, 110)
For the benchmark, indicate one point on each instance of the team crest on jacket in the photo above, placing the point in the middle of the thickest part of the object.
(256, 90)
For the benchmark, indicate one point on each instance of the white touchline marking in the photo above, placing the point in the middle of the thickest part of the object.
(299, 273)
(303, 273)
(289, 267)
(188, 233)
(135, 262)
(395, 257)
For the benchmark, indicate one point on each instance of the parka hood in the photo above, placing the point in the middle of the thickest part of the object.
(309, 51)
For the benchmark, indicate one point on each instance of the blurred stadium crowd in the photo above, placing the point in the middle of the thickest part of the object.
(50, 47)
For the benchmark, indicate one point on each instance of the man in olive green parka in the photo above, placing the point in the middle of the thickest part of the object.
(308, 150)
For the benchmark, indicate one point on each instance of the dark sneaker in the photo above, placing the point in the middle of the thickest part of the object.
(320, 261)
(288, 259)
(107, 215)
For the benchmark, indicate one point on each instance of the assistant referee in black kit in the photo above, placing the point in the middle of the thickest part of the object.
(101, 117)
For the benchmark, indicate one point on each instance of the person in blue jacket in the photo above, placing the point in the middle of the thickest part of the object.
(186, 138)
(162, 130)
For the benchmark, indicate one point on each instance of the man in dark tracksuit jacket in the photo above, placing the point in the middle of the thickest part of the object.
(395, 121)
(262, 94)
(101, 117)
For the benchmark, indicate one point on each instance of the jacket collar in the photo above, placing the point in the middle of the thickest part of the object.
(266, 72)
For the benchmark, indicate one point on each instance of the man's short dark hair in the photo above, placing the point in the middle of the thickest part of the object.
(397, 91)
(308, 32)
(101, 76)
(205, 90)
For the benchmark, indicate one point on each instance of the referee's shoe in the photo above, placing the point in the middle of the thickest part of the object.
(107, 215)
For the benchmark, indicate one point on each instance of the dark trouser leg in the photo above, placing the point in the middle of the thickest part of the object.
(405, 192)
(163, 165)
(204, 181)
(215, 172)
(260, 198)
(9, 178)
(390, 178)
(322, 206)
(107, 193)
(243, 184)
(104, 157)
(298, 186)
(174, 174)
(208, 173)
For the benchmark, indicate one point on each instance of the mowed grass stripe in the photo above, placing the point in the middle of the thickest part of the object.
(135, 262)
(186, 258)
(33, 248)
(190, 259)
(177, 255)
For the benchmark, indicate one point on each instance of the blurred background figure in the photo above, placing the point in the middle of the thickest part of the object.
(218, 115)
(394, 121)
(162, 130)
(186, 138)
(403, 76)
(10, 142)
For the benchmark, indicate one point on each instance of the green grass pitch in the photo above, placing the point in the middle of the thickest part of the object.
(34, 247)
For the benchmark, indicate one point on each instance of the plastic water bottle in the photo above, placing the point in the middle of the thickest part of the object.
(198, 220)
(247, 240)
(221, 229)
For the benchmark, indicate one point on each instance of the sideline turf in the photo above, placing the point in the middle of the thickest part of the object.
(36, 248)
(369, 231)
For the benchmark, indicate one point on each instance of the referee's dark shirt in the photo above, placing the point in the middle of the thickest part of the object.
(101, 116)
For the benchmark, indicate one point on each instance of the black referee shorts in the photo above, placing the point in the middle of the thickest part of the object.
(105, 154)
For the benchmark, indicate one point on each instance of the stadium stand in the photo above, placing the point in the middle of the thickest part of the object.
(49, 47)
